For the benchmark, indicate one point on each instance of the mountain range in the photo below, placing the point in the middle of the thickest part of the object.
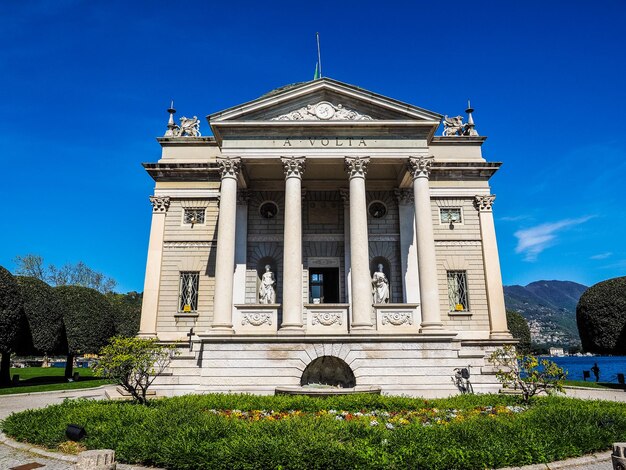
(550, 309)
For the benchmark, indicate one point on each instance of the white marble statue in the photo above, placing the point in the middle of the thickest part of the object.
(453, 125)
(189, 127)
(380, 286)
(267, 291)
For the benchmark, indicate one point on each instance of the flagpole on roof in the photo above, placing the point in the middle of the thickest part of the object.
(319, 55)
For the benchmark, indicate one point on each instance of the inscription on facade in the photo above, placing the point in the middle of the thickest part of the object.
(326, 142)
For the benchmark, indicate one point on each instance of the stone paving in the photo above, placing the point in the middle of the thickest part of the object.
(10, 457)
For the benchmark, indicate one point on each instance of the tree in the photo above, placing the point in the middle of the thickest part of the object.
(518, 326)
(526, 373)
(88, 320)
(126, 313)
(78, 274)
(601, 317)
(134, 363)
(31, 266)
(44, 320)
(10, 319)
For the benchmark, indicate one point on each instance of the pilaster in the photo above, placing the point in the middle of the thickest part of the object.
(150, 304)
(493, 276)
(408, 245)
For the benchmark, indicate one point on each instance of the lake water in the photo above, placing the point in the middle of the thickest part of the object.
(609, 366)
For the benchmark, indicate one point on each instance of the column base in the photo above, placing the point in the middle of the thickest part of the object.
(290, 328)
(361, 326)
(221, 330)
(500, 335)
(431, 326)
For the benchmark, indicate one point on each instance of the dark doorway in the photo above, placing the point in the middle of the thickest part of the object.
(324, 285)
(328, 370)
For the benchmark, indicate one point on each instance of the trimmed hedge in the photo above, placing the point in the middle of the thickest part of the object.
(45, 321)
(126, 309)
(10, 321)
(87, 317)
(206, 432)
(601, 317)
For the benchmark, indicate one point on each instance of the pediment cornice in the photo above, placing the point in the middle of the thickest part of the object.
(339, 95)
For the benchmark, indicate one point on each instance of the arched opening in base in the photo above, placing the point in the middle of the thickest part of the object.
(328, 370)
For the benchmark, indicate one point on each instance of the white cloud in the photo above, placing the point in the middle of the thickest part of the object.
(515, 218)
(534, 240)
(601, 255)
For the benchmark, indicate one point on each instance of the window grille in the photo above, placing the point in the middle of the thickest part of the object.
(457, 291)
(450, 214)
(194, 216)
(188, 296)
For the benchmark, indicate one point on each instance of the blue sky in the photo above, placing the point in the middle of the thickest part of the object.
(85, 85)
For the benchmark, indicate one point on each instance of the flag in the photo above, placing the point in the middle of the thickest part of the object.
(317, 73)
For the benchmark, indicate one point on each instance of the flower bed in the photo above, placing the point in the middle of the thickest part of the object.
(368, 432)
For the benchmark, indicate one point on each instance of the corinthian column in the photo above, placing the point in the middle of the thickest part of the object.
(292, 255)
(359, 247)
(426, 259)
(225, 259)
(150, 305)
(493, 277)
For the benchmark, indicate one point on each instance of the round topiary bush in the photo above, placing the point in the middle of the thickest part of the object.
(10, 319)
(87, 316)
(601, 317)
(44, 319)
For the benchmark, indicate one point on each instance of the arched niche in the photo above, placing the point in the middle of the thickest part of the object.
(328, 370)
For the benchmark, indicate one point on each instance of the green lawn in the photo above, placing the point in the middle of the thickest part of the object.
(591, 384)
(40, 379)
(369, 432)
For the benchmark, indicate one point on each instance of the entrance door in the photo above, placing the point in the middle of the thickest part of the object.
(324, 285)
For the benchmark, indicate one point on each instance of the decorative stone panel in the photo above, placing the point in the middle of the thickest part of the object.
(327, 319)
(397, 318)
(255, 319)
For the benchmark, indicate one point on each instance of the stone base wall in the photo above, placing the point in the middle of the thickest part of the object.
(414, 368)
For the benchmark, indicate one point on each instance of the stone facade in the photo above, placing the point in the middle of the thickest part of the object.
(323, 183)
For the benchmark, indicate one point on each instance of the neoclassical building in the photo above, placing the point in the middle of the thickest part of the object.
(324, 234)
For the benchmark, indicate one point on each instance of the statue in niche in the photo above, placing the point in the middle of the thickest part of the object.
(267, 291)
(380, 286)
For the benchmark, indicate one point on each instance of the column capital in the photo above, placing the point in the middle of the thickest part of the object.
(404, 196)
(484, 203)
(357, 166)
(420, 166)
(160, 203)
(293, 166)
(229, 166)
(344, 193)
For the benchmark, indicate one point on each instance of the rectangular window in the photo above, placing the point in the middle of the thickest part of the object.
(450, 214)
(188, 294)
(457, 291)
(194, 216)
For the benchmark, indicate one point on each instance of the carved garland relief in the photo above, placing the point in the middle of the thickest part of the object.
(326, 318)
(256, 318)
(397, 318)
(323, 111)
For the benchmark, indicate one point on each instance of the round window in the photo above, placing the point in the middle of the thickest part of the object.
(268, 209)
(377, 209)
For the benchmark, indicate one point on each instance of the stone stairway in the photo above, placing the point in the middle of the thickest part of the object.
(182, 376)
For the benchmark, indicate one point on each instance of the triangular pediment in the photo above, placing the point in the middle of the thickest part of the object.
(323, 100)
